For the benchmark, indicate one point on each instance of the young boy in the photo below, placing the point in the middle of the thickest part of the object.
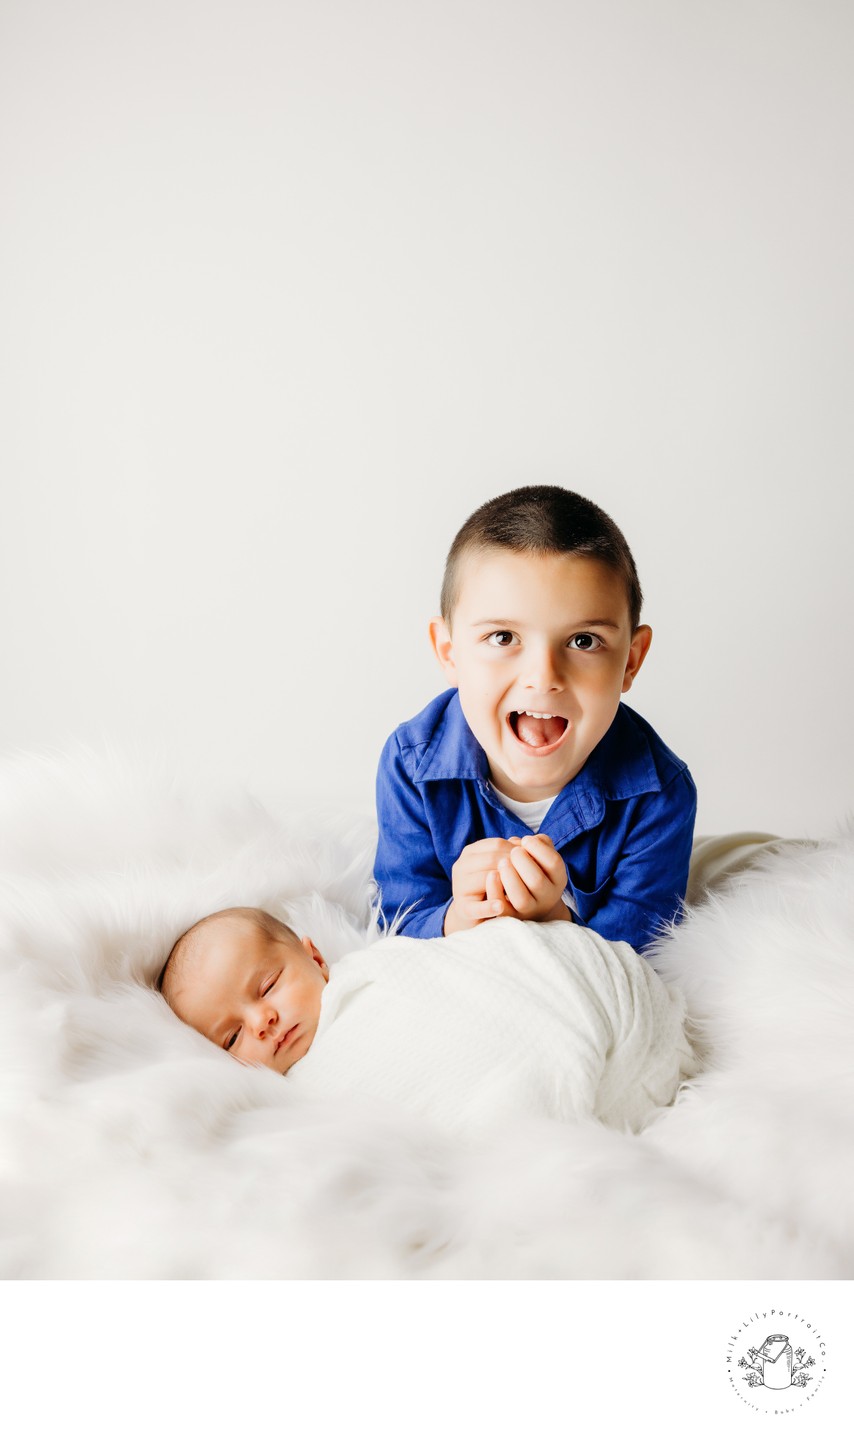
(528, 790)
(505, 1020)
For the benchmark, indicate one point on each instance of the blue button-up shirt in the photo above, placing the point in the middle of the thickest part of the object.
(623, 825)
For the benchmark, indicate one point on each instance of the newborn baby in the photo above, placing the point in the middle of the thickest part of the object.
(245, 981)
(493, 1023)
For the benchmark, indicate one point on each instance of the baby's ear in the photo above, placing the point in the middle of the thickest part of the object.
(314, 953)
(443, 646)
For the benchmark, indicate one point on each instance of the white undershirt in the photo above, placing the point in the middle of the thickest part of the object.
(533, 813)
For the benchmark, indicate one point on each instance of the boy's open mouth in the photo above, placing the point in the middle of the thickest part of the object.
(536, 730)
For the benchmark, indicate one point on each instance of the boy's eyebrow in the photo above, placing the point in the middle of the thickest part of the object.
(579, 624)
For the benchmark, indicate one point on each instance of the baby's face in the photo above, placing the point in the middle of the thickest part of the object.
(541, 650)
(256, 997)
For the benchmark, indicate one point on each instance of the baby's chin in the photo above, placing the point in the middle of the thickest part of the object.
(273, 1063)
(288, 1057)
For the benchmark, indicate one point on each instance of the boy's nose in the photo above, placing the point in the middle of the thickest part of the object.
(545, 671)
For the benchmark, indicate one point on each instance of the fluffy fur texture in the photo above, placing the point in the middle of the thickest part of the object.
(131, 1147)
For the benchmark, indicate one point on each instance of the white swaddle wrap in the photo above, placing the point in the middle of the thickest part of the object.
(503, 1020)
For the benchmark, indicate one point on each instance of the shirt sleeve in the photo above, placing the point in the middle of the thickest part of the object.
(644, 894)
(414, 889)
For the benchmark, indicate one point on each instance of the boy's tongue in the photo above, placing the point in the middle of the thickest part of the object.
(539, 732)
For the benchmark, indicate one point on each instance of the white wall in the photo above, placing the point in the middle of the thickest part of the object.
(289, 288)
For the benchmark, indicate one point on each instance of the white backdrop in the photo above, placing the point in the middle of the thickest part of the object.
(289, 288)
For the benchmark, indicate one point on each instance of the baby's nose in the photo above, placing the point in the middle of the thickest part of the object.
(264, 1020)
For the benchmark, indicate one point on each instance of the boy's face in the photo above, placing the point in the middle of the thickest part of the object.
(257, 997)
(539, 635)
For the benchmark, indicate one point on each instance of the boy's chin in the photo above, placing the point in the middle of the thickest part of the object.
(542, 771)
(528, 780)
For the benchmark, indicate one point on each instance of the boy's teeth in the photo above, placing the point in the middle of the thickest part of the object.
(534, 715)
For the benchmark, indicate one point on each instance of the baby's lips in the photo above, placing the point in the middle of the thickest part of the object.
(281, 1042)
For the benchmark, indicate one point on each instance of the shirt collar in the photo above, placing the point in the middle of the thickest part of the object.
(452, 751)
(621, 766)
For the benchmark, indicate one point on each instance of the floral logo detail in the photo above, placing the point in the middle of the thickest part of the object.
(776, 1364)
(780, 1374)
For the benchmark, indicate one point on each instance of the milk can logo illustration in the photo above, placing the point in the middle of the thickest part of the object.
(776, 1360)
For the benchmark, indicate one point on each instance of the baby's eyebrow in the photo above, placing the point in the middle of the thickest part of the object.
(222, 1028)
(252, 983)
(225, 1026)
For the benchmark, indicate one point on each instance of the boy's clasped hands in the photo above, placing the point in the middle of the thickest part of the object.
(520, 878)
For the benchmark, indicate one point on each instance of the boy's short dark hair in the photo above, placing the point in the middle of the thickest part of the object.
(542, 519)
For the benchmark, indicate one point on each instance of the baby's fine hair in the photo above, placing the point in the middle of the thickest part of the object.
(272, 927)
(542, 519)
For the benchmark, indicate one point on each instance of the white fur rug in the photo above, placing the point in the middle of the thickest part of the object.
(131, 1147)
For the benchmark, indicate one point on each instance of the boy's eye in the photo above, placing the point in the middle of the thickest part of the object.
(271, 983)
(231, 1040)
(587, 643)
(501, 639)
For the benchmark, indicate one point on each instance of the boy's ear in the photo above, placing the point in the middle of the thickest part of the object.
(638, 650)
(443, 646)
